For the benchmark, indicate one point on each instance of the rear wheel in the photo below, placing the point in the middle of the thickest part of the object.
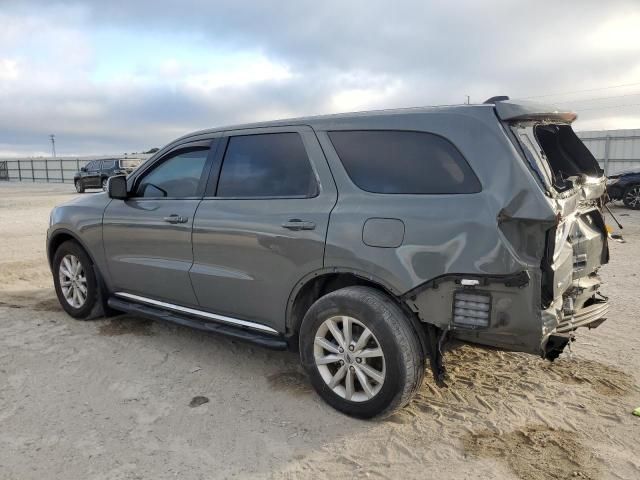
(361, 352)
(104, 184)
(631, 196)
(79, 186)
(75, 281)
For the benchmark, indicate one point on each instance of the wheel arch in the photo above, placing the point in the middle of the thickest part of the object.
(59, 237)
(62, 235)
(321, 282)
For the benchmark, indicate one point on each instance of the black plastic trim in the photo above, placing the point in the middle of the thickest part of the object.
(251, 336)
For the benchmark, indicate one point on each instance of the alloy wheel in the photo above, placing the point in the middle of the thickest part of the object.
(73, 281)
(349, 358)
(632, 197)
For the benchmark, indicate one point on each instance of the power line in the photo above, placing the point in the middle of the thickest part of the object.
(580, 91)
(596, 98)
(609, 107)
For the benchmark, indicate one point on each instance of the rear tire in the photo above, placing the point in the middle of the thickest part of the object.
(631, 197)
(75, 281)
(386, 370)
(104, 184)
(79, 186)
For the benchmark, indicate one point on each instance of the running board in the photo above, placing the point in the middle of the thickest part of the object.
(241, 332)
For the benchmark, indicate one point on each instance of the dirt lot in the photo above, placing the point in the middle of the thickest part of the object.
(127, 398)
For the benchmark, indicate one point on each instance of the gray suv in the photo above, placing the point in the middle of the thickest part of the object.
(366, 241)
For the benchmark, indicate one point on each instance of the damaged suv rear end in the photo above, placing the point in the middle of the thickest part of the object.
(576, 246)
(556, 237)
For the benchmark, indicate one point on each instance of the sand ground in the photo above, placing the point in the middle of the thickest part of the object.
(118, 398)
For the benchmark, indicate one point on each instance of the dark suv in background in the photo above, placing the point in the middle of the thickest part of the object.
(96, 173)
(625, 186)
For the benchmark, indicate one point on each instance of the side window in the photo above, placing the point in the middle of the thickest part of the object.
(266, 165)
(108, 164)
(177, 176)
(93, 165)
(385, 161)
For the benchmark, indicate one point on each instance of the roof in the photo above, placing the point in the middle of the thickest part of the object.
(506, 109)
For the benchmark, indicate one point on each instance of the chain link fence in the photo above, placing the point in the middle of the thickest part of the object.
(52, 170)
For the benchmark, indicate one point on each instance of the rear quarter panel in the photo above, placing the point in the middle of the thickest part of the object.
(444, 234)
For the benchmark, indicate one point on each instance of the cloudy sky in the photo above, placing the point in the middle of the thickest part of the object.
(120, 76)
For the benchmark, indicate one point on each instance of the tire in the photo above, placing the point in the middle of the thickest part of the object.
(90, 307)
(631, 196)
(401, 366)
(79, 186)
(104, 184)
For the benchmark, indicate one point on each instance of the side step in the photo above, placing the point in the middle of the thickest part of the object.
(238, 333)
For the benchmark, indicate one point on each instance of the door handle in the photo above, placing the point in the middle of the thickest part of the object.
(176, 219)
(297, 224)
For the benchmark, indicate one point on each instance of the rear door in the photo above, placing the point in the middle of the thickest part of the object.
(147, 237)
(262, 224)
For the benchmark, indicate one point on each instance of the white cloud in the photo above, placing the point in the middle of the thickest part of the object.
(8, 70)
(256, 62)
(241, 74)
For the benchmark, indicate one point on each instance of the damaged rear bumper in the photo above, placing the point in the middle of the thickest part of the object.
(516, 319)
(590, 316)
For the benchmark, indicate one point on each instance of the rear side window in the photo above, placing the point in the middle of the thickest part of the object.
(108, 164)
(402, 162)
(266, 165)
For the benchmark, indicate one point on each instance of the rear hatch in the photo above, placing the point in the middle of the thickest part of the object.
(575, 184)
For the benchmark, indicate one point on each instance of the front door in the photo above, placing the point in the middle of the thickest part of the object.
(147, 237)
(91, 177)
(264, 227)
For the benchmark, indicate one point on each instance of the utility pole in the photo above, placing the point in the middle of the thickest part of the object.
(53, 145)
(468, 99)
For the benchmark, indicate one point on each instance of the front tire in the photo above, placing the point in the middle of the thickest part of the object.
(631, 197)
(105, 181)
(361, 352)
(75, 281)
(79, 186)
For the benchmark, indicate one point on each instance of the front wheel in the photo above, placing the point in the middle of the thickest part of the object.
(631, 197)
(361, 353)
(75, 281)
(104, 184)
(79, 186)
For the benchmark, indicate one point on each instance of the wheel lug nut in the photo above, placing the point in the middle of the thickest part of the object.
(352, 369)
(341, 350)
(341, 362)
(359, 360)
(351, 348)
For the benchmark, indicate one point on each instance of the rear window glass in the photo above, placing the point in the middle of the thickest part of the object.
(108, 164)
(266, 165)
(402, 162)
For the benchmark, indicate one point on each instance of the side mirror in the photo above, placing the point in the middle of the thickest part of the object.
(83, 169)
(117, 187)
